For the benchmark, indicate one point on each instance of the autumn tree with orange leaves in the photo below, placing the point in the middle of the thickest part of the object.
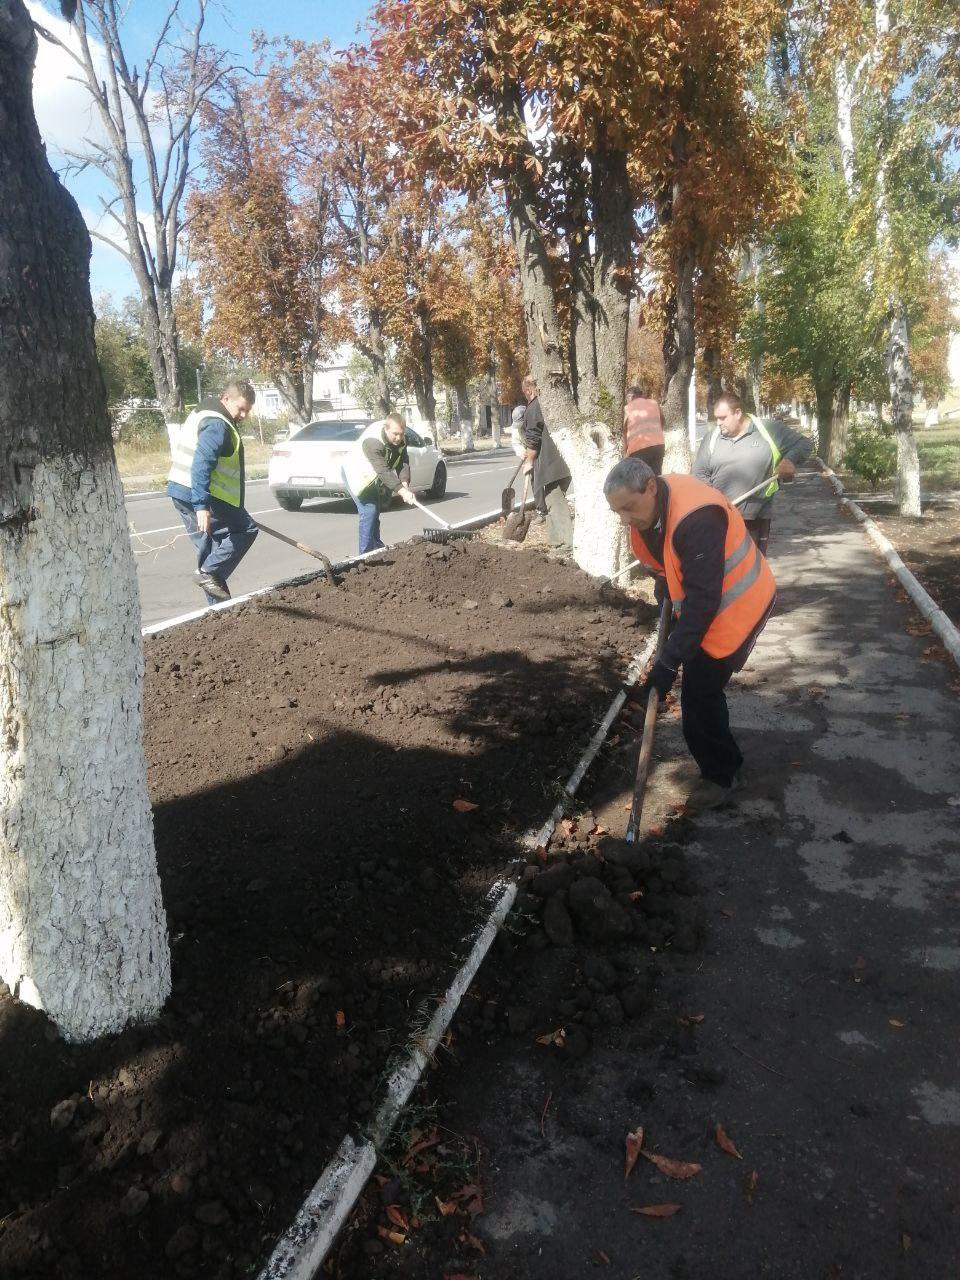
(263, 237)
(596, 123)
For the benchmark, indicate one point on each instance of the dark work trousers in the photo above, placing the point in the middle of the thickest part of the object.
(706, 721)
(652, 455)
(759, 531)
(232, 534)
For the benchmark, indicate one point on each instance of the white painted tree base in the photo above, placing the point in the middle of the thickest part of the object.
(599, 543)
(82, 927)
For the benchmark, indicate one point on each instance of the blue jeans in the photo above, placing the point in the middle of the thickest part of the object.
(232, 534)
(369, 513)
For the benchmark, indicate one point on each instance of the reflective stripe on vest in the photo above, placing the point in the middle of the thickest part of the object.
(225, 479)
(774, 484)
(358, 471)
(748, 586)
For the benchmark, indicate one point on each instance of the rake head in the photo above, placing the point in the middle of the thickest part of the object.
(446, 535)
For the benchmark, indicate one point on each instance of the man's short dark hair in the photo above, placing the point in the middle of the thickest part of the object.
(630, 473)
(635, 393)
(240, 387)
(397, 419)
(731, 400)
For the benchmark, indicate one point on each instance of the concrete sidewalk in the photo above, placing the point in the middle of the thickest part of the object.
(829, 1043)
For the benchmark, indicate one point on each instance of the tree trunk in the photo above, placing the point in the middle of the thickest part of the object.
(613, 216)
(423, 384)
(833, 410)
(678, 358)
(464, 417)
(711, 368)
(82, 926)
(376, 353)
(599, 544)
(293, 389)
(900, 378)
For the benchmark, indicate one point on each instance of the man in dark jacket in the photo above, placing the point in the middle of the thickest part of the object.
(377, 470)
(743, 450)
(551, 476)
(206, 483)
(697, 547)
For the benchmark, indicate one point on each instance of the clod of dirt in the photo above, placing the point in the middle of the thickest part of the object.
(596, 912)
(61, 1117)
(557, 923)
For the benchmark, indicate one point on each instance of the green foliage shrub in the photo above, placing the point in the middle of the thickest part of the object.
(871, 454)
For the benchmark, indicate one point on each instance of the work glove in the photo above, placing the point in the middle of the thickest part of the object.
(661, 678)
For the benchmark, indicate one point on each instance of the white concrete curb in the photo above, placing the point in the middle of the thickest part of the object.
(303, 1247)
(940, 622)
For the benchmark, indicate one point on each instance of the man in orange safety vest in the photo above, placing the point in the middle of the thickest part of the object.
(697, 546)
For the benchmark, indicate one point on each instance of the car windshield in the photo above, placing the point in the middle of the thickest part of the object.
(330, 431)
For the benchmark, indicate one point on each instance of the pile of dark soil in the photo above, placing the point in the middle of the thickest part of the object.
(305, 751)
(577, 966)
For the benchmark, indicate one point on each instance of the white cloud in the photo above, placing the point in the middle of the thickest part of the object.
(65, 111)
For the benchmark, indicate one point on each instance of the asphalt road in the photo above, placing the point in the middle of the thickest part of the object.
(166, 561)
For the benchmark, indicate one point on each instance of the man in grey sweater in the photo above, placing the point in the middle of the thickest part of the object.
(741, 452)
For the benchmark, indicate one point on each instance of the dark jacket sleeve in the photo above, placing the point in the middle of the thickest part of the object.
(213, 441)
(792, 445)
(698, 541)
(533, 426)
(376, 454)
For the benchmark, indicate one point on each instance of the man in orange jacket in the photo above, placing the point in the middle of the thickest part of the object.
(698, 548)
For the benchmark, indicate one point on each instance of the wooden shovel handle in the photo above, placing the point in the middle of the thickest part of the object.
(649, 725)
(300, 546)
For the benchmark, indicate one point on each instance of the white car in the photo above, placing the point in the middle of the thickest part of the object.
(308, 465)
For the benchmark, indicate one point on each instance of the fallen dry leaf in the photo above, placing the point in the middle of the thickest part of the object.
(465, 806)
(725, 911)
(859, 968)
(397, 1217)
(603, 1257)
(465, 1237)
(636, 895)
(905, 1242)
(395, 1237)
(751, 1186)
(691, 1019)
(815, 691)
(341, 1019)
(458, 1275)
(553, 1037)
(634, 1143)
(446, 1207)
(725, 1142)
(568, 825)
(895, 1022)
(658, 1210)
(679, 1169)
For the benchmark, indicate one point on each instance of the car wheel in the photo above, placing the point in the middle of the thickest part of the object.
(290, 501)
(439, 486)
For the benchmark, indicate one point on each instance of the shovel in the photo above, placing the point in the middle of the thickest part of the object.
(446, 532)
(517, 524)
(649, 724)
(508, 497)
(300, 546)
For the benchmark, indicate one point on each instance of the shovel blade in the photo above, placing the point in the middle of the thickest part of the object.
(508, 499)
(516, 526)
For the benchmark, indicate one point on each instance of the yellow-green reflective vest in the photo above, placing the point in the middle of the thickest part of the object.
(225, 479)
(774, 484)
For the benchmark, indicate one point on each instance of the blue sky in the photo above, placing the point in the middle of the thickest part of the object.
(65, 114)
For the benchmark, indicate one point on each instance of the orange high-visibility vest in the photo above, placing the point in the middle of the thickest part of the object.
(748, 585)
(642, 426)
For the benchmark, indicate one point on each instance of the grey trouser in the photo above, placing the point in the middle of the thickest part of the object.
(559, 516)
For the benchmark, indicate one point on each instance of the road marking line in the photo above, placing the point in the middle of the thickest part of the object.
(145, 533)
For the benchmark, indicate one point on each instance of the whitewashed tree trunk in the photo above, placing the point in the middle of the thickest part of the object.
(599, 542)
(82, 926)
(900, 378)
(846, 90)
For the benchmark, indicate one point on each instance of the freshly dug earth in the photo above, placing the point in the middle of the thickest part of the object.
(305, 753)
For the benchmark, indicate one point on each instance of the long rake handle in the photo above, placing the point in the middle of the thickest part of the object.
(649, 725)
(427, 512)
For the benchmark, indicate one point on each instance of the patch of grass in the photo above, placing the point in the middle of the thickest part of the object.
(148, 464)
(939, 450)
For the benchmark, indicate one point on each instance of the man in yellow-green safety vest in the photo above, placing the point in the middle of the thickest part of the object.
(206, 484)
(741, 452)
